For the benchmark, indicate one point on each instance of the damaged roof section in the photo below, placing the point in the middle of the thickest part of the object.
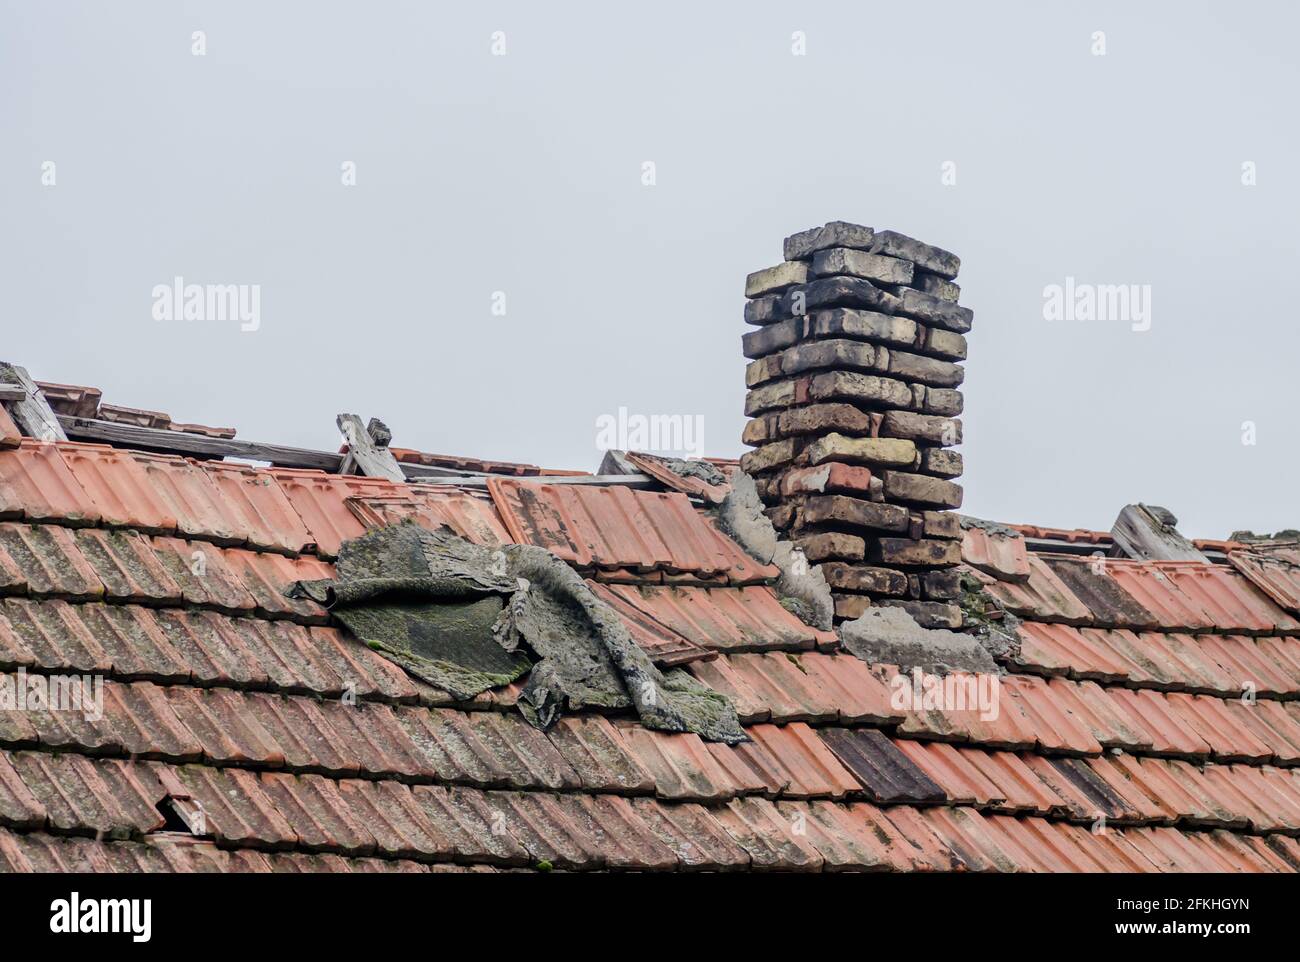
(1122, 697)
(698, 479)
(467, 618)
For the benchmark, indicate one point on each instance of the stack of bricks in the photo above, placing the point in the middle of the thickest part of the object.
(853, 403)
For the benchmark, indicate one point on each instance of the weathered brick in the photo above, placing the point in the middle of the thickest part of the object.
(849, 607)
(837, 233)
(763, 310)
(824, 419)
(864, 325)
(944, 464)
(936, 260)
(935, 310)
(946, 344)
(768, 456)
(762, 370)
(838, 509)
(922, 489)
(832, 545)
(944, 401)
(828, 478)
(781, 516)
(924, 553)
(760, 430)
(877, 452)
(840, 322)
(941, 524)
(936, 286)
(927, 370)
(770, 279)
(839, 291)
(860, 388)
(776, 394)
(921, 427)
(815, 355)
(941, 585)
(772, 338)
(863, 578)
(854, 263)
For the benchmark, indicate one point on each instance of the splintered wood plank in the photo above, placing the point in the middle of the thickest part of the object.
(1147, 533)
(31, 412)
(368, 452)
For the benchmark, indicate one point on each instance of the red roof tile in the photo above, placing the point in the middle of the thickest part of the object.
(1275, 571)
(723, 619)
(36, 485)
(1043, 597)
(658, 469)
(998, 555)
(614, 526)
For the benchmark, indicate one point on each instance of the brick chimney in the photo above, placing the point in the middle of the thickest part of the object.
(853, 404)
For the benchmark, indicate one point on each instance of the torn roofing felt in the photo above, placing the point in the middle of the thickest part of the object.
(427, 600)
(465, 618)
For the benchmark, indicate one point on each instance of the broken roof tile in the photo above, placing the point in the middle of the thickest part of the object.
(73, 400)
(996, 552)
(1274, 570)
(693, 485)
(1044, 596)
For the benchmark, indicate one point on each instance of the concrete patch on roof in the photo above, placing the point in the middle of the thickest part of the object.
(890, 636)
(1286, 535)
(995, 628)
(801, 587)
(992, 527)
(701, 470)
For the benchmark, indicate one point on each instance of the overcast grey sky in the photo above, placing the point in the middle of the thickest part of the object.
(522, 173)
